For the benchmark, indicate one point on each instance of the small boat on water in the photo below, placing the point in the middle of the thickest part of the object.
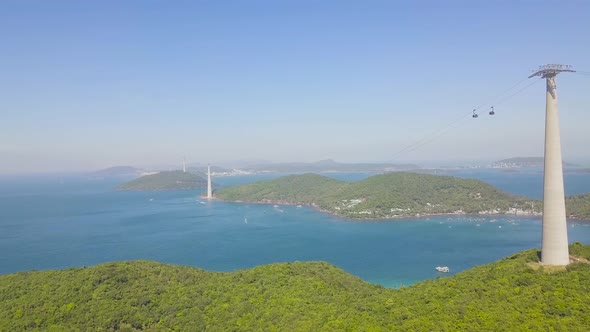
(443, 269)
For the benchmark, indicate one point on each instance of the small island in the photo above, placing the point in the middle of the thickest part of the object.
(168, 180)
(395, 195)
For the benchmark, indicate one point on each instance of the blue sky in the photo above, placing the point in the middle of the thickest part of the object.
(85, 85)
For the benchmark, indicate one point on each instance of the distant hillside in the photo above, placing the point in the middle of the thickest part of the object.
(329, 166)
(117, 171)
(578, 206)
(305, 189)
(513, 294)
(384, 196)
(202, 170)
(522, 162)
(170, 180)
(577, 170)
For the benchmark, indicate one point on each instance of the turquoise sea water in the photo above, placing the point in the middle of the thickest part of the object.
(57, 222)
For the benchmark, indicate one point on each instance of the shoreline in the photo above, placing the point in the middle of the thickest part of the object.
(394, 218)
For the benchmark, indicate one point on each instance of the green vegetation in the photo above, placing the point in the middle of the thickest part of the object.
(384, 196)
(398, 194)
(312, 296)
(578, 206)
(305, 189)
(172, 180)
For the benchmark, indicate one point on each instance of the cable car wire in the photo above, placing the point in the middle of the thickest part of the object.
(516, 93)
(491, 102)
(438, 133)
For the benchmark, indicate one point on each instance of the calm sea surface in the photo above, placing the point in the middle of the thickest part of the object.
(51, 222)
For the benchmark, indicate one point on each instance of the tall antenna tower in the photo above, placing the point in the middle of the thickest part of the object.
(209, 189)
(554, 246)
(184, 164)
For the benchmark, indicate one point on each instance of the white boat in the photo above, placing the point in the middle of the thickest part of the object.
(443, 269)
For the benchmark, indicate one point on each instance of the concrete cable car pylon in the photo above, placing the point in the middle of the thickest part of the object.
(209, 187)
(554, 245)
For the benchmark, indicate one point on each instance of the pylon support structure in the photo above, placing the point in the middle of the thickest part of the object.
(554, 246)
(209, 189)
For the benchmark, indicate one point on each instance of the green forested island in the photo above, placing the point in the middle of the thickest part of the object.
(398, 194)
(578, 206)
(387, 195)
(169, 180)
(513, 294)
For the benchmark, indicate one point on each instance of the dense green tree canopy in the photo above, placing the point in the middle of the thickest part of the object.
(514, 294)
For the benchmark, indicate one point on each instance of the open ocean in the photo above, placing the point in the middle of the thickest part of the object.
(54, 222)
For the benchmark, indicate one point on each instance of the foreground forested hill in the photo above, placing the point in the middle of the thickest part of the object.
(513, 294)
(384, 196)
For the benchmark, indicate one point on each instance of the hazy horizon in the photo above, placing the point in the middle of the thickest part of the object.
(88, 85)
(237, 164)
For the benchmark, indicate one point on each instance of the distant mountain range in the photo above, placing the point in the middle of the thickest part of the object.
(518, 162)
(134, 172)
(202, 170)
(118, 171)
(329, 165)
(321, 166)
